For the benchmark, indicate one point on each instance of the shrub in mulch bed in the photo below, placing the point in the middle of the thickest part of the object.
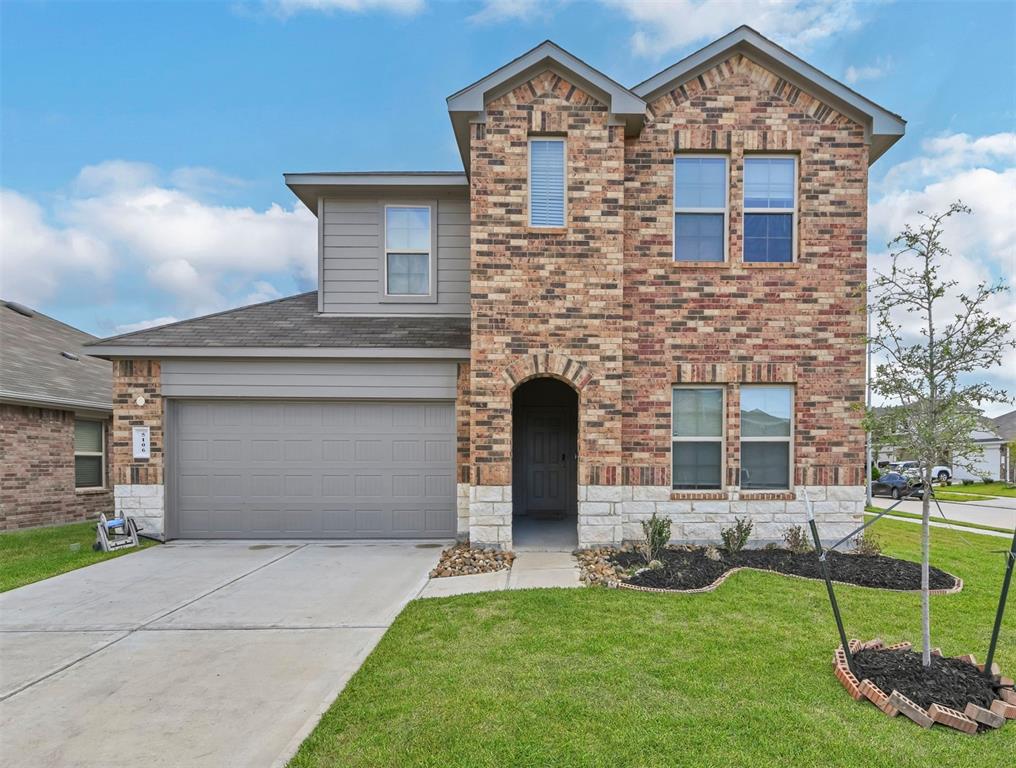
(463, 560)
(687, 567)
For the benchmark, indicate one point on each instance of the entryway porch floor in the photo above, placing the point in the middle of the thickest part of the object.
(532, 534)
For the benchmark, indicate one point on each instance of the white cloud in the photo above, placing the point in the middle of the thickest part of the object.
(36, 260)
(401, 7)
(143, 324)
(981, 172)
(118, 224)
(664, 27)
(496, 11)
(880, 68)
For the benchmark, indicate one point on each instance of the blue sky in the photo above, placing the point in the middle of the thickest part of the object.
(143, 144)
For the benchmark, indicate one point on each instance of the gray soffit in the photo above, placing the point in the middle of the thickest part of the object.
(311, 186)
(292, 327)
(467, 105)
(884, 128)
(33, 370)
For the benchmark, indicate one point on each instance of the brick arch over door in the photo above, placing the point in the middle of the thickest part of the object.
(550, 364)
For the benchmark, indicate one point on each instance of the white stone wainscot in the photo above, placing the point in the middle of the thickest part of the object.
(601, 514)
(490, 516)
(838, 511)
(462, 511)
(146, 504)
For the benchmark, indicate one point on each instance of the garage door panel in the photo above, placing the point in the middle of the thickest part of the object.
(313, 469)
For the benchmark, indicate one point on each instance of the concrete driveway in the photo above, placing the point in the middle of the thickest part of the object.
(1000, 513)
(194, 654)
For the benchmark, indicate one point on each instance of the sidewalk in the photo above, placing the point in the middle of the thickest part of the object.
(529, 570)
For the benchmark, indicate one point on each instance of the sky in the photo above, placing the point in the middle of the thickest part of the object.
(142, 145)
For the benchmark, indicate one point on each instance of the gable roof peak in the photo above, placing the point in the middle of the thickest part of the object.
(467, 105)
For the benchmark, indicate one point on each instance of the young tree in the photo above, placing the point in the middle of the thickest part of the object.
(927, 351)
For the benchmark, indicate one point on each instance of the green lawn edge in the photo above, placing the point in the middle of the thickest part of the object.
(612, 678)
(34, 554)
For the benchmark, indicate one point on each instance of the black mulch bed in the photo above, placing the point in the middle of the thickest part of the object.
(689, 568)
(947, 682)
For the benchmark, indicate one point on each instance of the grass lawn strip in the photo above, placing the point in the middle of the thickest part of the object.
(38, 553)
(615, 678)
(939, 519)
(982, 489)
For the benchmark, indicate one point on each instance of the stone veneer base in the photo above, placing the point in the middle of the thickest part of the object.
(146, 504)
(609, 515)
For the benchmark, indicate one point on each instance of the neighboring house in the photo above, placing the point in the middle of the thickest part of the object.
(55, 411)
(571, 328)
(1005, 427)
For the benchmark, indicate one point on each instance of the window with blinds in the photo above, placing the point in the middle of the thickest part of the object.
(546, 182)
(89, 456)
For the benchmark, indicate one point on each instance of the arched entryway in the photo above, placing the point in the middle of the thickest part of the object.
(544, 465)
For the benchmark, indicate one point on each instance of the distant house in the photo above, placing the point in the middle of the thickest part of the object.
(55, 413)
(1005, 427)
(992, 462)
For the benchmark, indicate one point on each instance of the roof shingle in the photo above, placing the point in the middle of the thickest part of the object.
(294, 322)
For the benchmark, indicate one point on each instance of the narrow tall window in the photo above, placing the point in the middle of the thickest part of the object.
(698, 438)
(700, 208)
(89, 455)
(546, 182)
(766, 437)
(770, 208)
(407, 250)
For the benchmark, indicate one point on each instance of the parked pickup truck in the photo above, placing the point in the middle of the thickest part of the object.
(940, 472)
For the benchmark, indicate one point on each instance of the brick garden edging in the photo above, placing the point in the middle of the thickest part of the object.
(895, 703)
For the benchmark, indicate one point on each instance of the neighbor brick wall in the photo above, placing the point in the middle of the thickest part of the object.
(37, 471)
(538, 292)
(131, 379)
(735, 323)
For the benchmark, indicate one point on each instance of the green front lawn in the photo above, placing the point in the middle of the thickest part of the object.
(38, 553)
(936, 518)
(596, 677)
(980, 489)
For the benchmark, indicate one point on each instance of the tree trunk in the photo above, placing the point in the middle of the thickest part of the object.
(925, 565)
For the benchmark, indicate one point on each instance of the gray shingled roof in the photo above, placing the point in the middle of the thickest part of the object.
(294, 322)
(1005, 425)
(32, 370)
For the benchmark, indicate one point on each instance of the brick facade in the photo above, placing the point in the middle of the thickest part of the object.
(138, 484)
(37, 473)
(602, 304)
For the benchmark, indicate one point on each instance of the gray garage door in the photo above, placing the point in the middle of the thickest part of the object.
(264, 469)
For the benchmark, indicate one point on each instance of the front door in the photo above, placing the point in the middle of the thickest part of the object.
(549, 461)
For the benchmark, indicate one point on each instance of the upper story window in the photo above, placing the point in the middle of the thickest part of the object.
(546, 182)
(700, 208)
(770, 208)
(407, 250)
(767, 416)
(697, 454)
(89, 454)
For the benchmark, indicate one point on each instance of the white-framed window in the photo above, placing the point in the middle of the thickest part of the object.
(547, 188)
(407, 251)
(701, 184)
(767, 437)
(89, 453)
(697, 438)
(770, 208)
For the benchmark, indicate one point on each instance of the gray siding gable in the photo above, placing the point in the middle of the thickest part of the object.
(352, 255)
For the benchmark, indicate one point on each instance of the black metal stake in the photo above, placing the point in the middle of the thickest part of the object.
(824, 564)
(1011, 557)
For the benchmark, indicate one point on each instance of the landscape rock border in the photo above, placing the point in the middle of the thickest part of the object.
(464, 560)
(972, 720)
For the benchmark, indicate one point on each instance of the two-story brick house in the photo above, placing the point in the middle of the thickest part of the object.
(632, 300)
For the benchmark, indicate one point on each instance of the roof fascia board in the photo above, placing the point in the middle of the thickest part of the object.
(62, 404)
(111, 351)
(883, 127)
(473, 97)
(310, 187)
